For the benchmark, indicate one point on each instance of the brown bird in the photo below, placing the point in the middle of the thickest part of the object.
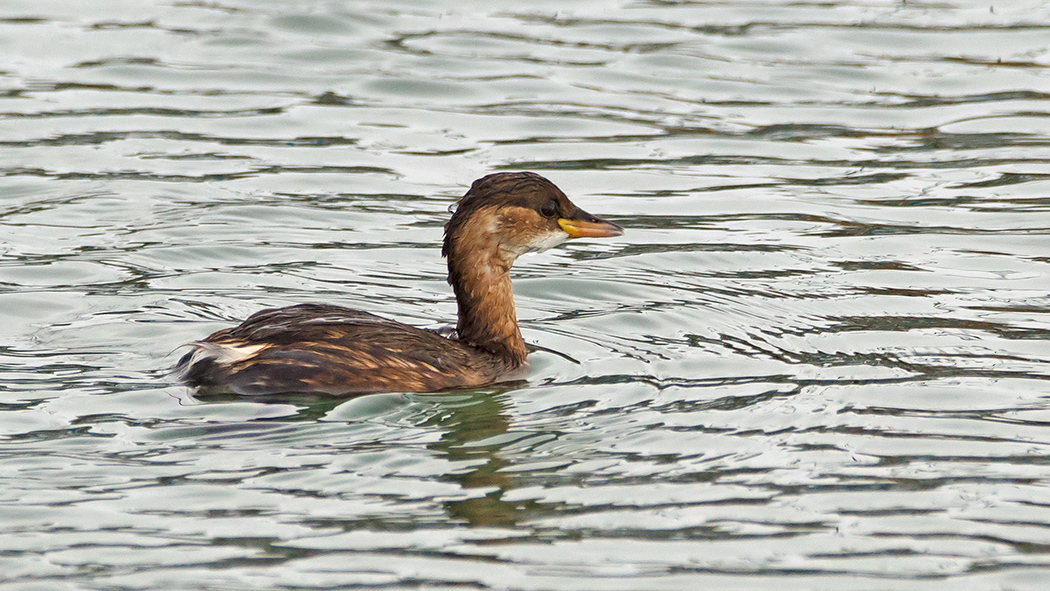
(319, 348)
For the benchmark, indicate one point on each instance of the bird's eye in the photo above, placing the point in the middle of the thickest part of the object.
(549, 209)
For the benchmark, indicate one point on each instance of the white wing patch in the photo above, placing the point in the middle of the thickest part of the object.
(223, 353)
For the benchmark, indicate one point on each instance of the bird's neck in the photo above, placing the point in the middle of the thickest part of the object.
(480, 276)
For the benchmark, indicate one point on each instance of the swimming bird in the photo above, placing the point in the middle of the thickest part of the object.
(326, 349)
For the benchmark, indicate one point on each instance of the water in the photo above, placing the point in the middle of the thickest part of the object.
(817, 359)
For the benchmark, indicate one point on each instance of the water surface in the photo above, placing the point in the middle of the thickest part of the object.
(817, 359)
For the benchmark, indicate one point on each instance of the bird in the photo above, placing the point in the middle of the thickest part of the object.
(333, 350)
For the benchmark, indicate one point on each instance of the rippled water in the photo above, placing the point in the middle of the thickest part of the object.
(819, 357)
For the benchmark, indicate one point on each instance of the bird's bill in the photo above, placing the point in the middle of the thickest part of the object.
(585, 225)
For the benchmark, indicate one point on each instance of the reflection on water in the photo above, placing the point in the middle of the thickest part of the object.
(817, 358)
(473, 437)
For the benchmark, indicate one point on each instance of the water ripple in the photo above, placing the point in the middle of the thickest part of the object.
(817, 355)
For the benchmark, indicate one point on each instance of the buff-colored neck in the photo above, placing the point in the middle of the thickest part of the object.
(479, 273)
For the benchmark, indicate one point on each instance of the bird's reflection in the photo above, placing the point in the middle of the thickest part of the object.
(464, 417)
(481, 417)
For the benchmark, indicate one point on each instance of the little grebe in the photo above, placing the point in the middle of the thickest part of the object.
(333, 350)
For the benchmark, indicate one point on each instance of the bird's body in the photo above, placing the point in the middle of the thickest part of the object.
(341, 351)
(335, 350)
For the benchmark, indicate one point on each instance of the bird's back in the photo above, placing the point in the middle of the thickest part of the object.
(333, 350)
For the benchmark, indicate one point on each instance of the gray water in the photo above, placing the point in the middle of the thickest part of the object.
(818, 359)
